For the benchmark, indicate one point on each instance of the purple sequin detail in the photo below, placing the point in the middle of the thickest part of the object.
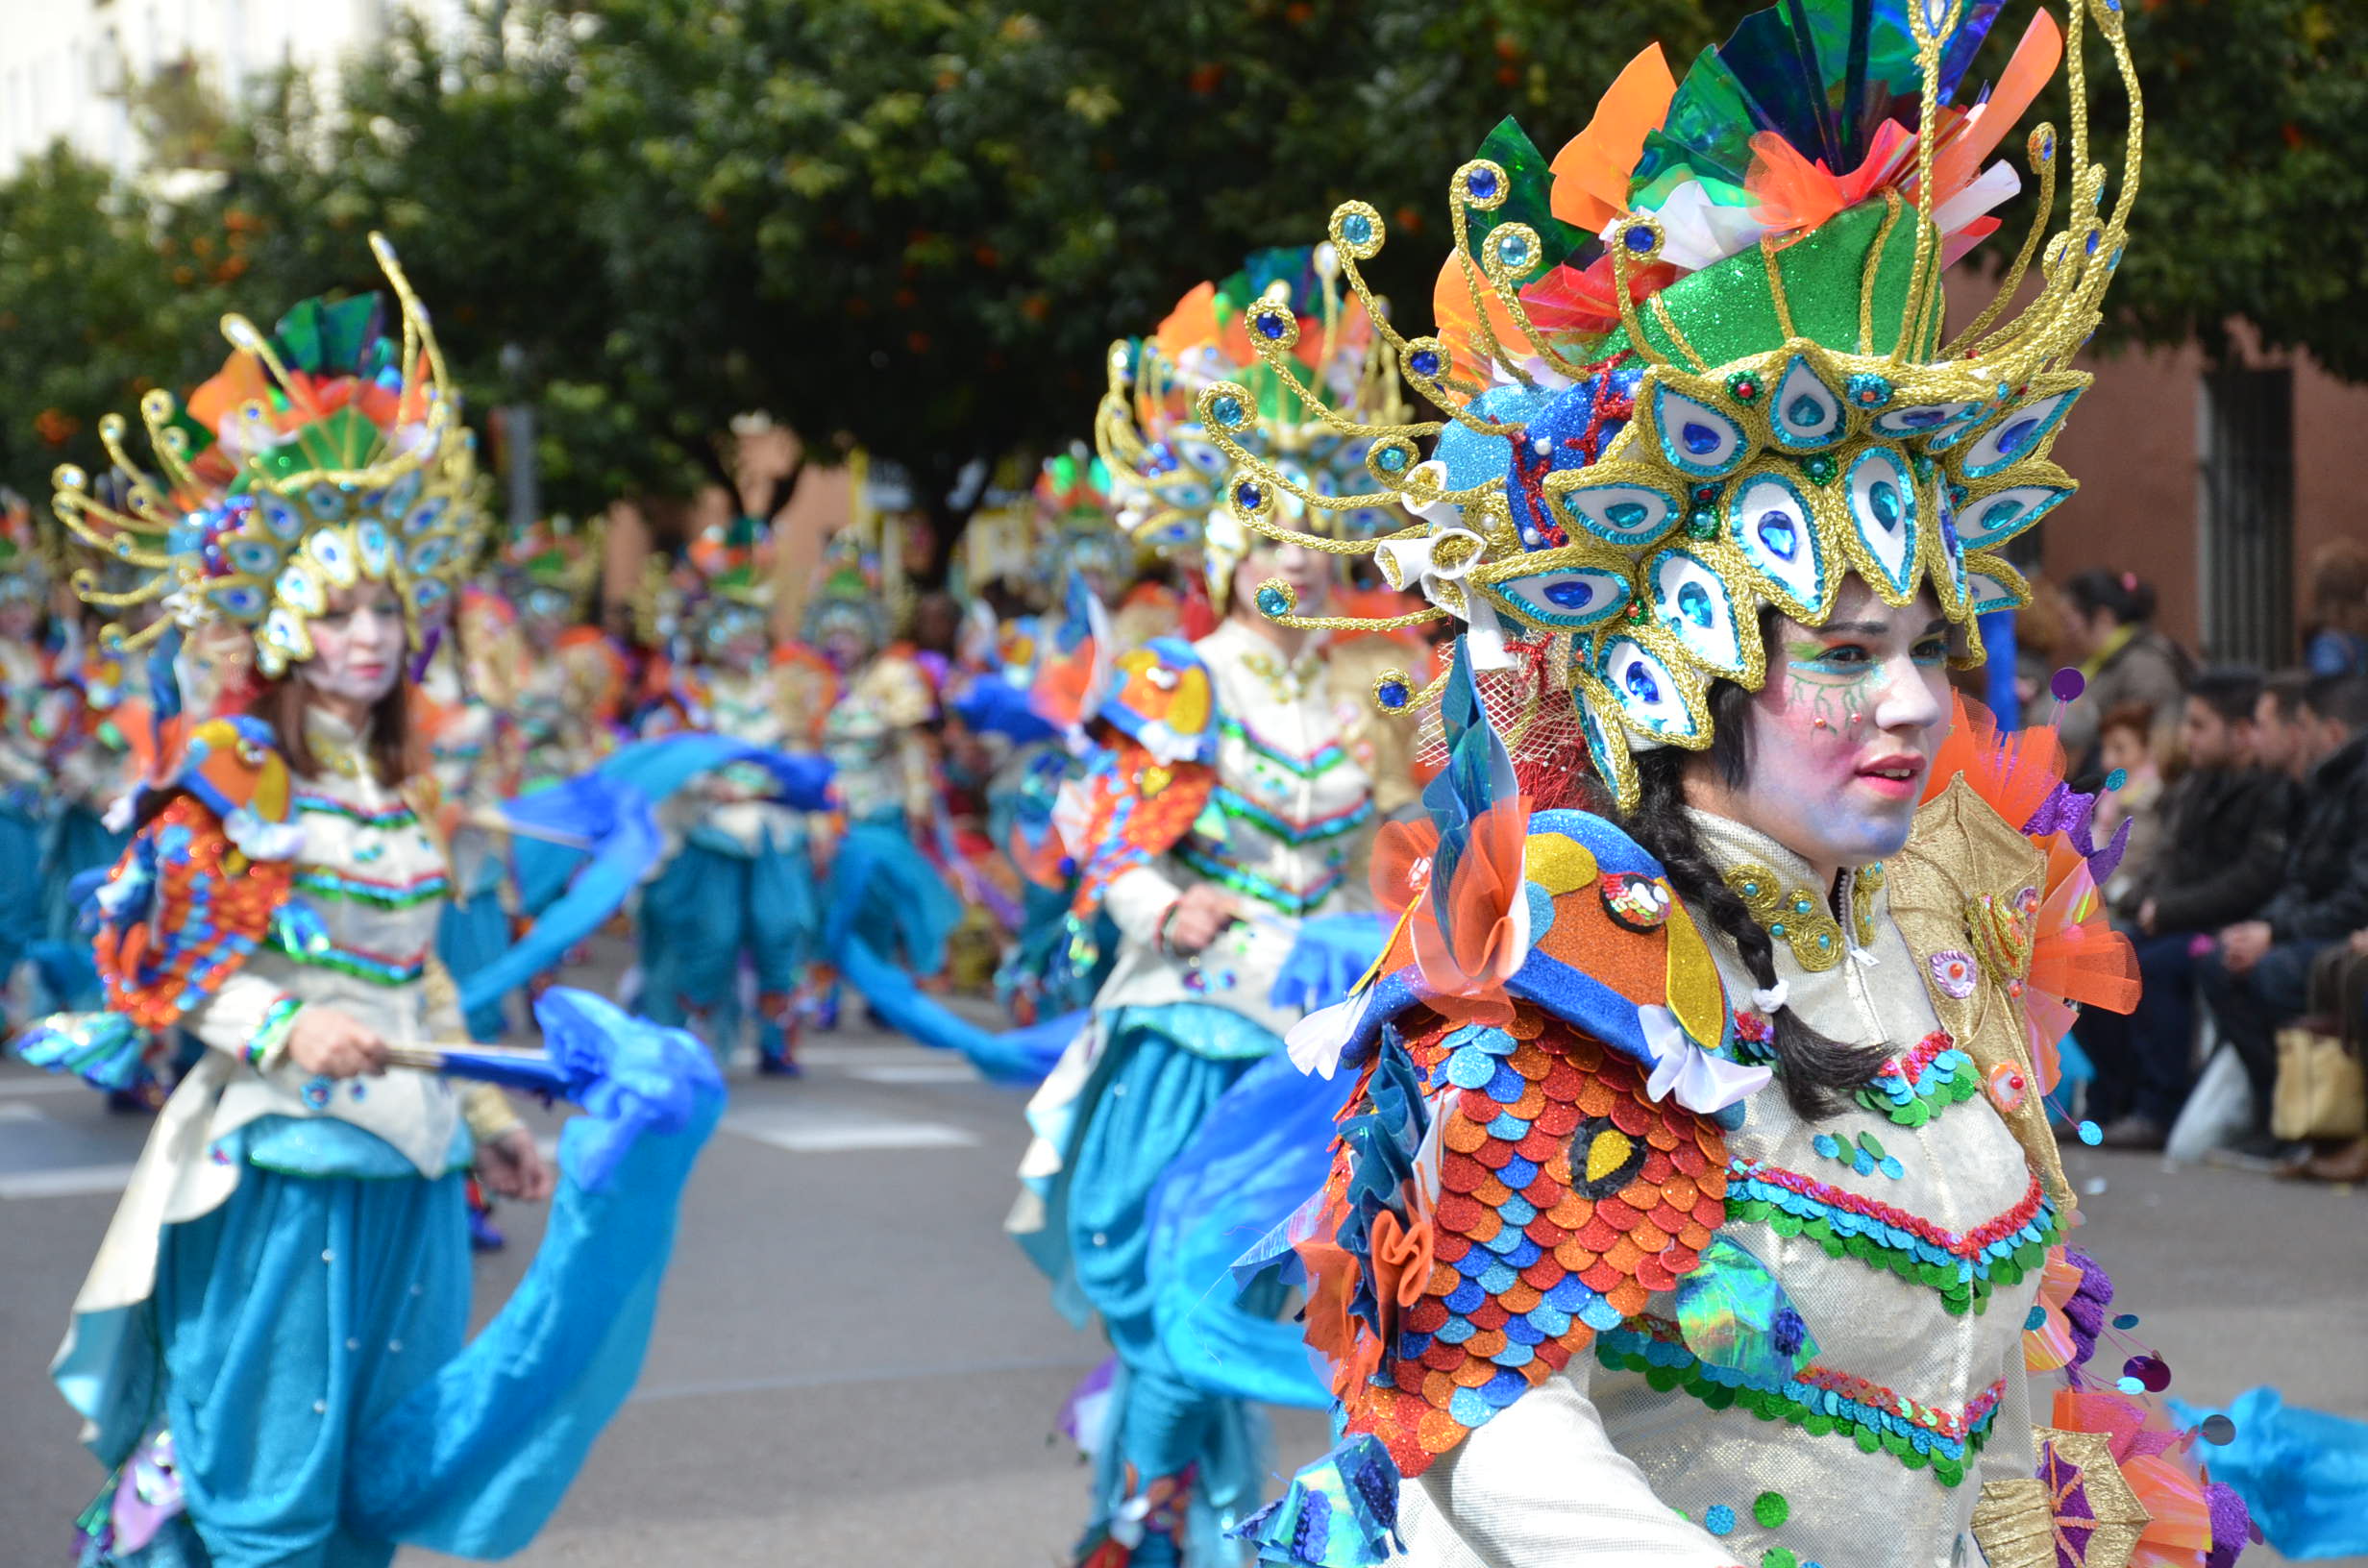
(2069, 812)
(2085, 1311)
(2232, 1525)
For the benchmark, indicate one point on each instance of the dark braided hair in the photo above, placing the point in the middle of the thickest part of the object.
(1818, 1073)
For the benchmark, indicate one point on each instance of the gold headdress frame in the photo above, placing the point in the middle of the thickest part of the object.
(400, 508)
(1164, 507)
(1969, 426)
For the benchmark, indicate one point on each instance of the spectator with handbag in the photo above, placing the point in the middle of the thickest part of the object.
(2218, 859)
(2259, 977)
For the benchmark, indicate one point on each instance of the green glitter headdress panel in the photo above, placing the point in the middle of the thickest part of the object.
(1688, 370)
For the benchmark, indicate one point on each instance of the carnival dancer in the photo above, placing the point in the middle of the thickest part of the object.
(882, 888)
(739, 885)
(27, 716)
(1224, 813)
(573, 684)
(1696, 1201)
(268, 1350)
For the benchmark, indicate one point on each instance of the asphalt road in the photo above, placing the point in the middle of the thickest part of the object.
(854, 1366)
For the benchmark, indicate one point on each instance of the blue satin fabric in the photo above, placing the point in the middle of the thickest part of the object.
(705, 909)
(2303, 1472)
(1007, 1056)
(472, 933)
(884, 893)
(289, 1321)
(1261, 1151)
(73, 841)
(1154, 1092)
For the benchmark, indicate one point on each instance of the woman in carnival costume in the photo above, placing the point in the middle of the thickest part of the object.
(882, 888)
(572, 681)
(268, 1350)
(1695, 1202)
(29, 716)
(1221, 819)
(739, 884)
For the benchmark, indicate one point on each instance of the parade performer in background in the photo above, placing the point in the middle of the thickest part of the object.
(1222, 814)
(882, 888)
(1696, 1201)
(28, 717)
(268, 1350)
(738, 885)
(463, 705)
(573, 683)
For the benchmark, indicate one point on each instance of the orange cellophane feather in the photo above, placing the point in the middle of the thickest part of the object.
(242, 379)
(2180, 1533)
(2076, 955)
(2015, 774)
(1795, 194)
(1591, 173)
(1459, 324)
(1464, 942)
(2037, 55)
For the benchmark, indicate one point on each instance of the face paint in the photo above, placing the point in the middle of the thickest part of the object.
(1843, 732)
(356, 646)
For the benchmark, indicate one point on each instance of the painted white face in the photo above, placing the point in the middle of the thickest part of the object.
(357, 646)
(1843, 733)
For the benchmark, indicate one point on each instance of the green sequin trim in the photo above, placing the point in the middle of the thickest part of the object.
(330, 884)
(1315, 767)
(1253, 886)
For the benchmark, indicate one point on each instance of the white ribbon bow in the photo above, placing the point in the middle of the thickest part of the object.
(1702, 1082)
(1416, 562)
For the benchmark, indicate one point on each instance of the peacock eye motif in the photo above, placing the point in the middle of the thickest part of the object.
(1604, 1159)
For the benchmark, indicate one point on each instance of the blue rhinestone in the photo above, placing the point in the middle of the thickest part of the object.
(1999, 513)
(1778, 533)
(1227, 410)
(1694, 601)
(1639, 240)
(1271, 602)
(1357, 229)
(1480, 183)
(1513, 252)
(1273, 324)
(1923, 419)
(1393, 694)
(1883, 500)
(1248, 496)
(1805, 412)
(1700, 439)
(1571, 593)
(1626, 514)
(2013, 438)
(2118, 777)
(1390, 459)
(1641, 683)
(1425, 363)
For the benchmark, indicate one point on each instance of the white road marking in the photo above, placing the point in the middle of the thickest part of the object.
(19, 1113)
(860, 1056)
(807, 1130)
(72, 1180)
(18, 1087)
(917, 1072)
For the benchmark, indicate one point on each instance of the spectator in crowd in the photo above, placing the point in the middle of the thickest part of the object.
(2221, 853)
(2258, 979)
(2126, 747)
(2107, 628)
(2337, 645)
(2279, 725)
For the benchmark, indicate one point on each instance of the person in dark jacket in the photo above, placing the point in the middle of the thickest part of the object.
(2258, 979)
(2218, 860)
(2109, 627)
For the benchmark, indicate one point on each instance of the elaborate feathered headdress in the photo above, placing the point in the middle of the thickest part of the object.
(1695, 365)
(1302, 410)
(323, 453)
(552, 557)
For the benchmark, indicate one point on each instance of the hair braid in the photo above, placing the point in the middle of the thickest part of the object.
(1817, 1071)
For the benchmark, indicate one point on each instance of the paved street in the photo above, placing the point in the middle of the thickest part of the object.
(853, 1366)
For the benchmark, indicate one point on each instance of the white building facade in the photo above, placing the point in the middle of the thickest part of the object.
(65, 64)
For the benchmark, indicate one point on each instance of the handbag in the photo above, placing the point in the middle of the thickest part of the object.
(2322, 1091)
